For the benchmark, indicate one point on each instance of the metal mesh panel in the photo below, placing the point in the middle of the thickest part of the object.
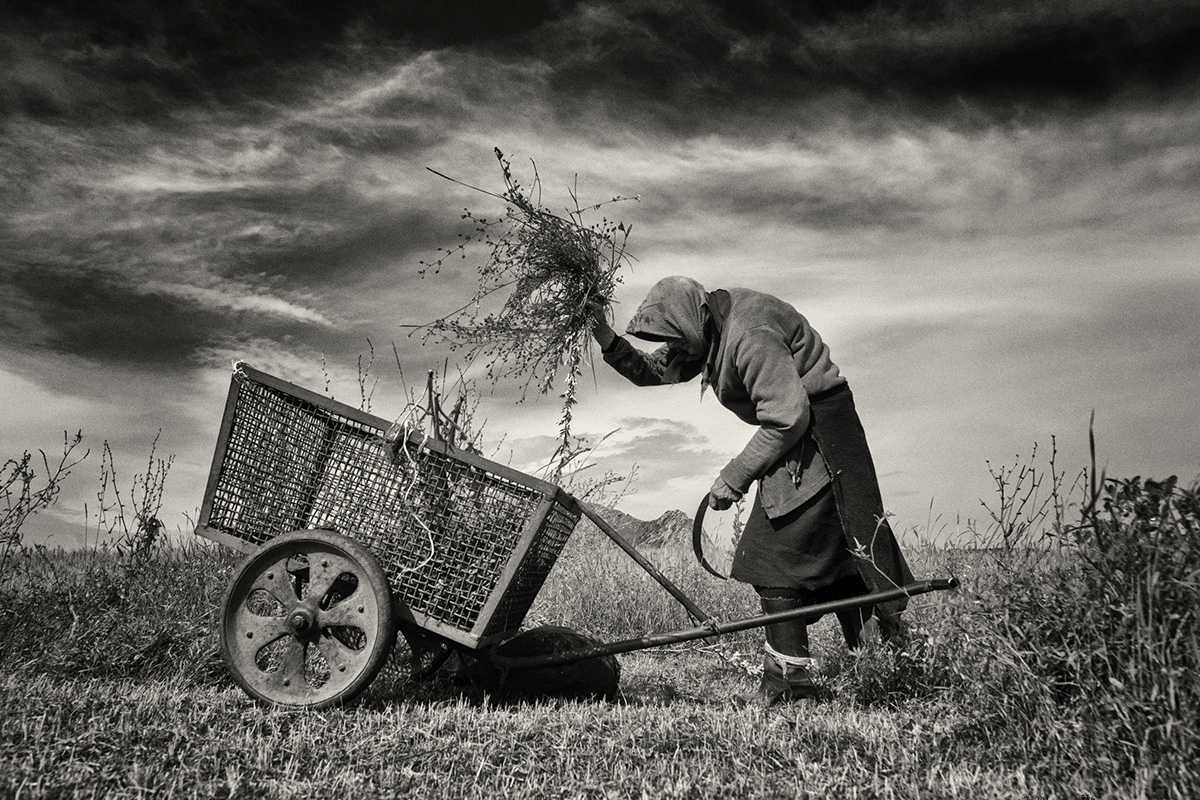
(527, 581)
(292, 464)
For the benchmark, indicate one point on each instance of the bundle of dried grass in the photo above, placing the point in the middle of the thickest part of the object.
(556, 269)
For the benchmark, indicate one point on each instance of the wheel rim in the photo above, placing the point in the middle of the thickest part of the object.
(303, 623)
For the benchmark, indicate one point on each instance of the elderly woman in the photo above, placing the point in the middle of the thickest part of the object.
(816, 531)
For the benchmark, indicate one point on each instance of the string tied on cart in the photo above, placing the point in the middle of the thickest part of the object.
(396, 441)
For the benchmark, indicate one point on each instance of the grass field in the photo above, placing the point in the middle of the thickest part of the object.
(110, 688)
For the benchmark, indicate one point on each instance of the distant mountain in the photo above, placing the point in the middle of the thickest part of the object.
(672, 529)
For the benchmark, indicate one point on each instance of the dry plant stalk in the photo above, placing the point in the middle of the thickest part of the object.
(20, 499)
(129, 520)
(557, 271)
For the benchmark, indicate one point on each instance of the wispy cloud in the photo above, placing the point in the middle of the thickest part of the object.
(664, 446)
(237, 299)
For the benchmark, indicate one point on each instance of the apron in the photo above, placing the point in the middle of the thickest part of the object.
(810, 547)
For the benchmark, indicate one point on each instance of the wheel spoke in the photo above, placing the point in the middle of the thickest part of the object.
(344, 663)
(275, 580)
(260, 631)
(353, 612)
(290, 675)
(323, 570)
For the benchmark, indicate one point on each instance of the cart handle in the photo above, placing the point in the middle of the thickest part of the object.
(706, 631)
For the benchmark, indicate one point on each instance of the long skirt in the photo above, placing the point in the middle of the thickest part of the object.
(803, 549)
(840, 531)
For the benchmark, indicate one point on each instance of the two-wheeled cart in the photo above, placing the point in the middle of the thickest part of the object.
(353, 536)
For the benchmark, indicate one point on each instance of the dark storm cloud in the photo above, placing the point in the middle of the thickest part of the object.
(104, 319)
(770, 195)
(394, 139)
(375, 240)
(77, 60)
(184, 242)
(684, 62)
(93, 316)
(686, 65)
(307, 236)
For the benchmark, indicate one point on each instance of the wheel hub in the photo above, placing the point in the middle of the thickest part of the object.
(301, 621)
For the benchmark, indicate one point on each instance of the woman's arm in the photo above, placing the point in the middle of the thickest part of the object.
(768, 371)
(642, 369)
(602, 333)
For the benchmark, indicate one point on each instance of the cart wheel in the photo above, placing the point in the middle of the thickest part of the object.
(596, 678)
(307, 621)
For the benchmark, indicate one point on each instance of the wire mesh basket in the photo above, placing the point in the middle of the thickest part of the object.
(466, 543)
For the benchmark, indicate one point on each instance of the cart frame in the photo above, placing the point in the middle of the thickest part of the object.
(550, 496)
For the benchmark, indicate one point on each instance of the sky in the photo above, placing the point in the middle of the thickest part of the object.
(991, 212)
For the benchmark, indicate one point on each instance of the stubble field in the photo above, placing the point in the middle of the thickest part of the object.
(111, 688)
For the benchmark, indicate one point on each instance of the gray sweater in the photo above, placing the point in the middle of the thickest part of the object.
(764, 362)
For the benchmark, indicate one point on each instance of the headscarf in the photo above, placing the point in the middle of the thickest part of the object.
(673, 310)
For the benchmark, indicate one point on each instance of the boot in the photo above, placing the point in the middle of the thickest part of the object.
(852, 621)
(885, 628)
(892, 630)
(785, 681)
(787, 666)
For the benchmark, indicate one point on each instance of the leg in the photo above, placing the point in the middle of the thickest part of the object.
(851, 620)
(891, 629)
(787, 663)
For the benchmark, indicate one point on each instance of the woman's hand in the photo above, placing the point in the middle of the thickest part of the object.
(601, 332)
(721, 496)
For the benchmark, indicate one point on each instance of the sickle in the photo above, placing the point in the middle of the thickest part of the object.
(698, 539)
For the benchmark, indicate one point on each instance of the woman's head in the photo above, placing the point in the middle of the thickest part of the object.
(672, 312)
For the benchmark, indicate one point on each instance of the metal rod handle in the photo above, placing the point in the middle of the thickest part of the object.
(704, 632)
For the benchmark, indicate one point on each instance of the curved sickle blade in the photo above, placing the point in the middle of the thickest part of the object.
(698, 540)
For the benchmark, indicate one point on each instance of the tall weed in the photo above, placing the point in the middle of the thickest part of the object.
(1073, 644)
(130, 604)
(23, 494)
